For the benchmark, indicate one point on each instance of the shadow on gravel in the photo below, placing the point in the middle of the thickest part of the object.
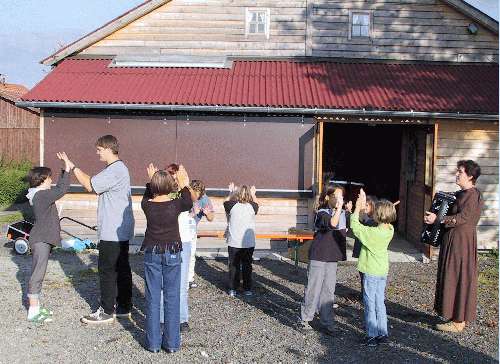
(412, 339)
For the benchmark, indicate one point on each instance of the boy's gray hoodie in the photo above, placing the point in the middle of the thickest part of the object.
(47, 228)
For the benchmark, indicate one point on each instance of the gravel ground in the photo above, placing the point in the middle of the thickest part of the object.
(258, 329)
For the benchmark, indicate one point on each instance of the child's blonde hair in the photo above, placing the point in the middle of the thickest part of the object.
(243, 194)
(385, 212)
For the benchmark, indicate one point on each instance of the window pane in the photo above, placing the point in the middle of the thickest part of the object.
(254, 17)
(365, 19)
(262, 28)
(355, 19)
(252, 28)
(261, 18)
(356, 31)
(365, 31)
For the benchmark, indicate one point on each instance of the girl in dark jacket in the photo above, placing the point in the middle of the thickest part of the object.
(46, 232)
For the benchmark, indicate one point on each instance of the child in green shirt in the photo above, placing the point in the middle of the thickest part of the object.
(373, 262)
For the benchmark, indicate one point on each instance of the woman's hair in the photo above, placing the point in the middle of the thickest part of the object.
(162, 183)
(326, 198)
(37, 175)
(471, 169)
(108, 141)
(172, 168)
(198, 186)
(385, 212)
(243, 194)
(371, 200)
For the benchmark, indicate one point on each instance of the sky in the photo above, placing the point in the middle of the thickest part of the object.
(31, 30)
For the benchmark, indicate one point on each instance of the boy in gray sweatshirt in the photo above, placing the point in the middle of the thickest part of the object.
(46, 231)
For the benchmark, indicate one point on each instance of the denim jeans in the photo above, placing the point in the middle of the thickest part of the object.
(162, 271)
(373, 299)
(185, 267)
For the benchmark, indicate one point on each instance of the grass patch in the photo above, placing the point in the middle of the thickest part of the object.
(10, 218)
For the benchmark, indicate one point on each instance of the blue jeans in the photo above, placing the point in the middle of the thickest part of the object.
(162, 271)
(373, 299)
(186, 261)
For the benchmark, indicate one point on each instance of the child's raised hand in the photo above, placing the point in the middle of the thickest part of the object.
(231, 187)
(151, 170)
(253, 190)
(182, 177)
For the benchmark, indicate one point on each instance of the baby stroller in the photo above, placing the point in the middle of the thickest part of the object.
(19, 233)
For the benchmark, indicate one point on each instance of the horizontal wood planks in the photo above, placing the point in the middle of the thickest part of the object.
(401, 30)
(466, 139)
(275, 215)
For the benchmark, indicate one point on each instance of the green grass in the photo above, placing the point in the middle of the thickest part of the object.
(10, 218)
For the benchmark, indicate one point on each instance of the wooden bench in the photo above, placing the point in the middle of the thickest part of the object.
(295, 241)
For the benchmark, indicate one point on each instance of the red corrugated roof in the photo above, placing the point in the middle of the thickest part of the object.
(290, 84)
(12, 91)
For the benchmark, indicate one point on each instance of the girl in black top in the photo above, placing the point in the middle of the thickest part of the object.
(162, 259)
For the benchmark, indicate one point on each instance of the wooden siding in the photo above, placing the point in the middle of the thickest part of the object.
(214, 28)
(275, 215)
(426, 30)
(477, 141)
(19, 133)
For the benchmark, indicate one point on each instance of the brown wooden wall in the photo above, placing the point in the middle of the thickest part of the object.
(478, 141)
(269, 152)
(19, 133)
(426, 30)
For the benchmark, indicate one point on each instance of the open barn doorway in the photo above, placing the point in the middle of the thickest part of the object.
(391, 161)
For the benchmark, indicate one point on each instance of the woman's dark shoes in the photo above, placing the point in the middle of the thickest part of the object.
(382, 339)
(171, 351)
(185, 327)
(370, 342)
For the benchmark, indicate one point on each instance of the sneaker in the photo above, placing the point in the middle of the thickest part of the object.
(370, 341)
(247, 293)
(98, 317)
(382, 339)
(304, 326)
(232, 293)
(185, 327)
(43, 316)
(121, 312)
(192, 285)
(335, 305)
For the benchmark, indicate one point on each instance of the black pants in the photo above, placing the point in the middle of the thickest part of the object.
(115, 276)
(240, 261)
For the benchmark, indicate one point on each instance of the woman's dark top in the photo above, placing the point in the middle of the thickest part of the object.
(329, 243)
(162, 230)
(47, 228)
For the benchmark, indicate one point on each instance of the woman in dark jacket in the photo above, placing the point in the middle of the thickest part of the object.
(456, 285)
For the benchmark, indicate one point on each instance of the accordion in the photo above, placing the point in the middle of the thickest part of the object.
(432, 234)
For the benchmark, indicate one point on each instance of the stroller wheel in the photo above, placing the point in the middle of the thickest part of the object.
(21, 246)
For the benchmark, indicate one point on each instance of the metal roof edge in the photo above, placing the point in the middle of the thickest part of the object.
(103, 31)
(267, 110)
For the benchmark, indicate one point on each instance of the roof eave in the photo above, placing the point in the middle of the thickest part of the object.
(475, 14)
(102, 32)
(267, 110)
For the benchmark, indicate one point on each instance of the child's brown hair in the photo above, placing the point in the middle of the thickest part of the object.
(243, 194)
(385, 212)
(198, 186)
(37, 175)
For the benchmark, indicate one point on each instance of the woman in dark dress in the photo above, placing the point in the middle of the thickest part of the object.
(456, 285)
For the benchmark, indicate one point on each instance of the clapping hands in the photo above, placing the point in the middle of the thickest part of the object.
(182, 177)
(152, 169)
(361, 201)
(68, 165)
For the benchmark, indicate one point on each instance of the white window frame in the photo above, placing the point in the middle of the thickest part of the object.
(267, 25)
(370, 23)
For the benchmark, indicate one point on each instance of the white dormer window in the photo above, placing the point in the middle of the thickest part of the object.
(257, 22)
(360, 24)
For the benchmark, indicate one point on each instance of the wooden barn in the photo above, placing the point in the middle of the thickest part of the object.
(19, 127)
(283, 94)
